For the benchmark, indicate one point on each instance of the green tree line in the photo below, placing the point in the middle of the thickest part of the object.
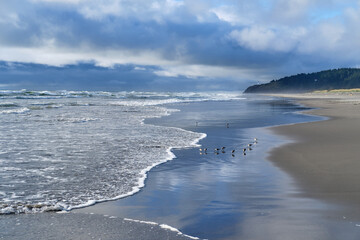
(343, 78)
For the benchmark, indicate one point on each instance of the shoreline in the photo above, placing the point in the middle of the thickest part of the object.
(324, 156)
(211, 196)
(219, 196)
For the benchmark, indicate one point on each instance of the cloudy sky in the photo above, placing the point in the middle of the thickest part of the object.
(172, 44)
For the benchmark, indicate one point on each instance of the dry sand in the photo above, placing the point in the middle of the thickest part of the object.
(325, 158)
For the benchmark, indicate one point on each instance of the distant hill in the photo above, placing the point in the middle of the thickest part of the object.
(343, 78)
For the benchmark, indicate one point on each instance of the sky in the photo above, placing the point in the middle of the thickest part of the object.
(172, 45)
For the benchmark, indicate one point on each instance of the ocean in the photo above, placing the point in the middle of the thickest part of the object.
(61, 150)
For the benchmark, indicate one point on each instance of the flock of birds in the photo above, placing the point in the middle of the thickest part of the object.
(222, 149)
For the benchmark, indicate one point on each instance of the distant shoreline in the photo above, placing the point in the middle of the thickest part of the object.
(325, 157)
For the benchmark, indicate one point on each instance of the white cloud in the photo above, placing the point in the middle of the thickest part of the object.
(138, 9)
(324, 39)
(291, 10)
(139, 68)
(231, 15)
(11, 18)
(205, 71)
(57, 56)
(255, 38)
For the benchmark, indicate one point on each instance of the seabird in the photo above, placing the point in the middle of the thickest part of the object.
(249, 145)
(233, 151)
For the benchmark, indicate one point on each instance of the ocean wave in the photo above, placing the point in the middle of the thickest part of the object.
(132, 96)
(51, 166)
(76, 120)
(8, 105)
(15, 111)
(54, 205)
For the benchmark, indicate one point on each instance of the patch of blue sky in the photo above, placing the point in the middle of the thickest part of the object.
(266, 4)
(335, 10)
(320, 15)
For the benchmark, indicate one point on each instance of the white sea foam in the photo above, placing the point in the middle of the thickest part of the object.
(11, 169)
(139, 221)
(76, 120)
(163, 226)
(141, 180)
(15, 110)
(144, 102)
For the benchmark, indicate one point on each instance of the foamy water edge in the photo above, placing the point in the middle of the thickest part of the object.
(142, 179)
(163, 226)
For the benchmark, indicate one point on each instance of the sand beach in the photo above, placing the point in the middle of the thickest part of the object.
(325, 156)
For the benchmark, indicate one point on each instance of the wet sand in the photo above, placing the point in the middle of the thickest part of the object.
(81, 227)
(325, 156)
